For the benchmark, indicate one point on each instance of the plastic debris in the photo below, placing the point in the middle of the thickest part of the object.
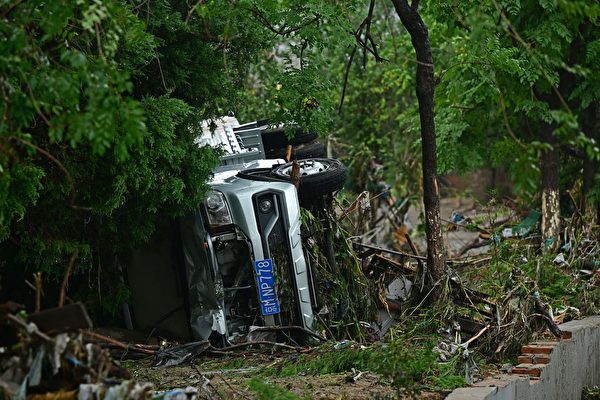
(189, 393)
(559, 260)
(182, 354)
(342, 345)
(524, 228)
(496, 239)
(456, 217)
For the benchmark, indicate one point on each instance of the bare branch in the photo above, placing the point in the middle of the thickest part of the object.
(10, 9)
(37, 108)
(162, 77)
(49, 156)
(194, 7)
(65, 282)
(368, 43)
(506, 122)
(283, 30)
(348, 65)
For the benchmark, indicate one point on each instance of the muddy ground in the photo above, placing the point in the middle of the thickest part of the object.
(223, 379)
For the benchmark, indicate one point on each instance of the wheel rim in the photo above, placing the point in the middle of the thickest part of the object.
(307, 167)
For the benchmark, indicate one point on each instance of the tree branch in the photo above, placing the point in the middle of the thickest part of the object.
(65, 282)
(368, 38)
(283, 30)
(505, 115)
(162, 77)
(49, 156)
(194, 7)
(348, 65)
(10, 9)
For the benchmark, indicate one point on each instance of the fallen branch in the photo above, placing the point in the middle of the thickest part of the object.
(28, 328)
(115, 342)
(246, 344)
(65, 282)
(476, 227)
(289, 327)
(475, 244)
(404, 268)
(481, 332)
(457, 262)
(384, 250)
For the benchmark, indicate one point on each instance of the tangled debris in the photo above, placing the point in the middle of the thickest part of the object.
(517, 300)
(492, 316)
(35, 364)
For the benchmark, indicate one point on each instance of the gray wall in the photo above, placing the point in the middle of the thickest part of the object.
(574, 363)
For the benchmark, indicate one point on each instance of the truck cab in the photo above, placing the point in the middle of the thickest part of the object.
(239, 258)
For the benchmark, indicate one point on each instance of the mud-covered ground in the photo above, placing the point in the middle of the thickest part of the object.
(254, 376)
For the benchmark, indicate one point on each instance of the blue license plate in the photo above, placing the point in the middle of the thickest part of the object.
(265, 282)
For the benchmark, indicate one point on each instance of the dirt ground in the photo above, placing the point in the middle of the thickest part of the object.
(219, 382)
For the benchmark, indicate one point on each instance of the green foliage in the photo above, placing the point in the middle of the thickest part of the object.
(408, 363)
(101, 104)
(559, 286)
(346, 295)
(267, 391)
(332, 361)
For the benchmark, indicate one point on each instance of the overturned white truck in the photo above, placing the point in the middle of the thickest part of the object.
(238, 261)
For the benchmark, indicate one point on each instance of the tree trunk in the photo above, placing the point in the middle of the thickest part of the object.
(550, 165)
(436, 257)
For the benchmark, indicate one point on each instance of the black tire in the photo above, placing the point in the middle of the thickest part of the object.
(316, 184)
(309, 150)
(276, 138)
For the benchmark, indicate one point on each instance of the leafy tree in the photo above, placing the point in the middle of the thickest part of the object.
(100, 107)
(96, 140)
(531, 63)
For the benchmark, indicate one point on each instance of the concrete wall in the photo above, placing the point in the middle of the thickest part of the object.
(574, 363)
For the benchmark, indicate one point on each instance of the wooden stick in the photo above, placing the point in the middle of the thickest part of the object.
(485, 328)
(116, 342)
(37, 277)
(289, 327)
(24, 326)
(399, 253)
(265, 342)
(65, 282)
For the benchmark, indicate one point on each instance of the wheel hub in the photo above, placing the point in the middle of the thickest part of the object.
(307, 167)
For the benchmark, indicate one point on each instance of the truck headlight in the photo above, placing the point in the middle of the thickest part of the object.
(217, 210)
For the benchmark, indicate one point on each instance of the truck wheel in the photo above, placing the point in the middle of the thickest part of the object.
(276, 138)
(318, 177)
(309, 150)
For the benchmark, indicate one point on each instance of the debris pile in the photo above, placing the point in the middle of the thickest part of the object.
(45, 363)
(38, 365)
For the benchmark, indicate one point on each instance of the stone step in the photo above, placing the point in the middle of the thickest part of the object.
(533, 359)
(537, 348)
(528, 369)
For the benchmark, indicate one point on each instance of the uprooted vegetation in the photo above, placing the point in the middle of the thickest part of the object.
(492, 303)
(378, 340)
